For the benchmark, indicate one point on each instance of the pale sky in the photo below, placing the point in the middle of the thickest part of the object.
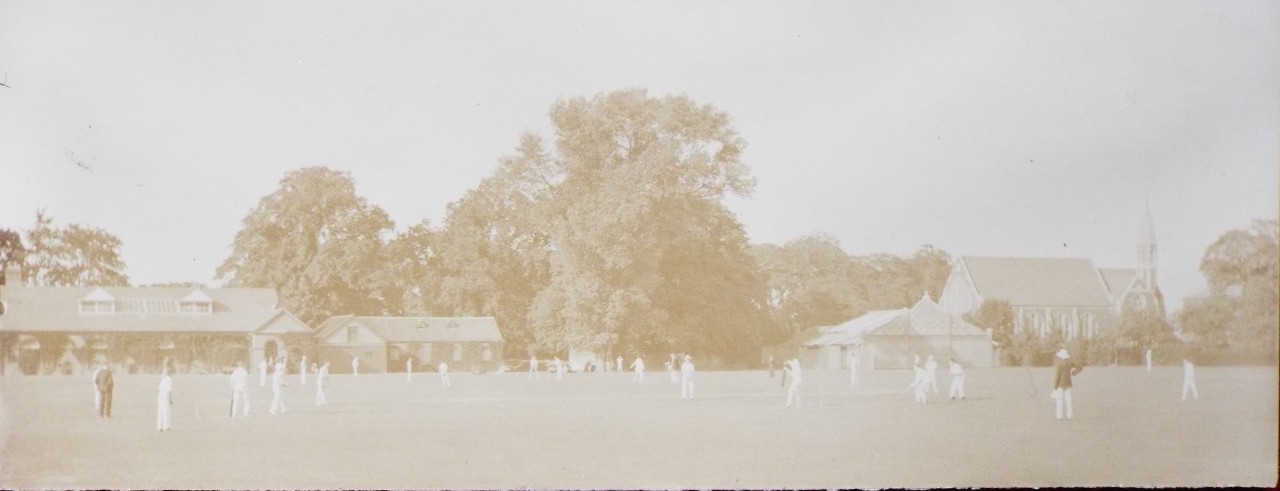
(1021, 128)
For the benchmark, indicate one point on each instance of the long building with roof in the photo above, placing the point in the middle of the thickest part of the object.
(66, 329)
(387, 344)
(895, 338)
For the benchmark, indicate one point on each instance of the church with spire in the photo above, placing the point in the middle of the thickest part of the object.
(1071, 296)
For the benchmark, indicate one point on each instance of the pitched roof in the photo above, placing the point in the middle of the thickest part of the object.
(926, 318)
(1038, 281)
(419, 329)
(1118, 280)
(141, 309)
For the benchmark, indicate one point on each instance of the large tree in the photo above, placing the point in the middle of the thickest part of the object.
(643, 255)
(1240, 314)
(11, 250)
(72, 255)
(811, 283)
(317, 243)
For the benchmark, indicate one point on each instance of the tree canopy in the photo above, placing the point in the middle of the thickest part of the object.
(74, 255)
(316, 243)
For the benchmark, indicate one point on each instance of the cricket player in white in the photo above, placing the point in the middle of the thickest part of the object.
(620, 370)
(794, 377)
(853, 369)
(164, 402)
(533, 367)
(302, 370)
(1148, 359)
(1189, 380)
(355, 366)
(322, 378)
(931, 366)
(240, 390)
(444, 374)
(638, 367)
(957, 380)
(277, 387)
(408, 370)
(262, 373)
(671, 372)
(559, 366)
(686, 378)
(920, 384)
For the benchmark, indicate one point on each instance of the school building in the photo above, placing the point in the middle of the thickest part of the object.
(65, 329)
(385, 344)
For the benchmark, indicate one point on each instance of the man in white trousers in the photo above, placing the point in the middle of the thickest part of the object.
(620, 370)
(164, 402)
(686, 378)
(956, 371)
(355, 366)
(638, 367)
(302, 370)
(240, 390)
(920, 384)
(444, 374)
(559, 368)
(1189, 380)
(408, 370)
(794, 375)
(853, 369)
(1148, 356)
(1063, 370)
(322, 379)
(277, 389)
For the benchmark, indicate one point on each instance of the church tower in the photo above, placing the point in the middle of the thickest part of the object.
(1145, 293)
(1147, 250)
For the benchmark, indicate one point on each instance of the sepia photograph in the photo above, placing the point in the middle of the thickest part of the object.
(575, 244)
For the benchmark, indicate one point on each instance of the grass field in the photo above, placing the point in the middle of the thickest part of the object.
(601, 431)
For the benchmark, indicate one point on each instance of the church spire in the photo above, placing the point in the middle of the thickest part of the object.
(1147, 249)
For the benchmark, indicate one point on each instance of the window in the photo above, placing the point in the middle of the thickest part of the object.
(486, 353)
(457, 351)
(97, 307)
(195, 307)
(353, 334)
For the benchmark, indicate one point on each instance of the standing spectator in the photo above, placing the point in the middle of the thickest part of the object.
(104, 385)
(277, 389)
(792, 367)
(957, 380)
(444, 374)
(686, 378)
(97, 395)
(322, 379)
(853, 369)
(240, 390)
(920, 384)
(638, 367)
(1064, 369)
(164, 402)
(1189, 379)
(931, 367)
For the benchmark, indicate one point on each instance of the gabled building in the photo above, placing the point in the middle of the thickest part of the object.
(385, 344)
(894, 338)
(1068, 295)
(61, 329)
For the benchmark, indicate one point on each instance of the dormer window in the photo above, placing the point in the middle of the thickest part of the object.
(98, 301)
(196, 302)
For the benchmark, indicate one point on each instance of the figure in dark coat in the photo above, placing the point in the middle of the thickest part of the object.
(1064, 369)
(106, 384)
